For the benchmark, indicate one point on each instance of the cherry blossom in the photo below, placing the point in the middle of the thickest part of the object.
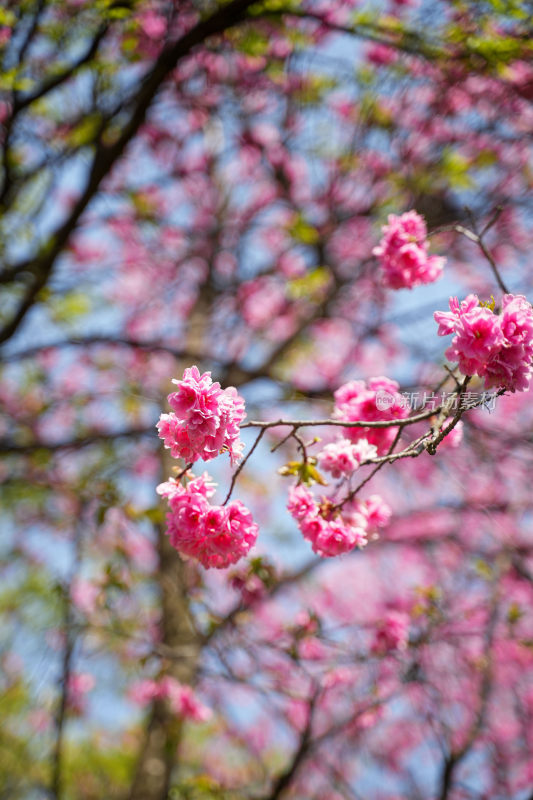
(496, 347)
(377, 399)
(78, 685)
(392, 633)
(204, 420)
(403, 255)
(216, 536)
(333, 530)
(182, 699)
(342, 457)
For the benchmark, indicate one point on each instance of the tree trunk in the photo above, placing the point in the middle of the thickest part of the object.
(158, 754)
(159, 750)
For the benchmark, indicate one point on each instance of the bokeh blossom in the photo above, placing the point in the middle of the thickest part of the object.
(403, 253)
(182, 699)
(377, 399)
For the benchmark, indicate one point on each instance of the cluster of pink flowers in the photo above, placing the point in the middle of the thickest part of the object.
(342, 457)
(78, 685)
(252, 588)
(392, 633)
(403, 253)
(85, 594)
(454, 438)
(205, 419)
(496, 347)
(216, 536)
(330, 533)
(378, 399)
(181, 699)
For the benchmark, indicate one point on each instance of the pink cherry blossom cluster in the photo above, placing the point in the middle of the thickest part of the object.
(251, 587)
(342, 457)
(358, 400)
(496, 347)
(204, 420)
(78, 685)
(330, 532)
(403, 253)
(216, 536)
(182, 699)
(392, 633)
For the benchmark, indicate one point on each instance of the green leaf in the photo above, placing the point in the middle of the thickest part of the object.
(155, 515)
(71, 306)
(264, 7)
(303, 232)
(310, 475)
(118, 13)
(484, 570)
(85, 132)
(309, 286)
(314, 88)
(514, 614)
(306, 472)
(7, 18)
(292, 468)
(495, 49)
(455, 167)
(253, 43)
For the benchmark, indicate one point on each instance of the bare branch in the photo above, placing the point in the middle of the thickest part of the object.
(478, 239)
(242, 464)
(314, 423)
(87, 341)
(106, 155)
(10, 448)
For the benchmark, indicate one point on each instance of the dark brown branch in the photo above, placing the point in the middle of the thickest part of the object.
(26, 42)
(455, 757)
(284, 581)
(66, 671)
(407, 41)
(369, 477)
(106, 155)
(70, 632)
(478, 239)
(11, 448)
(285, 779)
(12, 274)
(87, 341)
(242, 464)
(158, 752)
(302, 423)
(53, 83)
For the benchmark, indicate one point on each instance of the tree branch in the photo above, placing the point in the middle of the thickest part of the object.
(10, 448)
(106, 155)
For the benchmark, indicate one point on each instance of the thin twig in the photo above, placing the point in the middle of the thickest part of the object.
(242, 464)
(285, 439)
(478, 239)
(492, 221)
(70, 633)
(182, 472)
(303, 423)
(111, 340)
